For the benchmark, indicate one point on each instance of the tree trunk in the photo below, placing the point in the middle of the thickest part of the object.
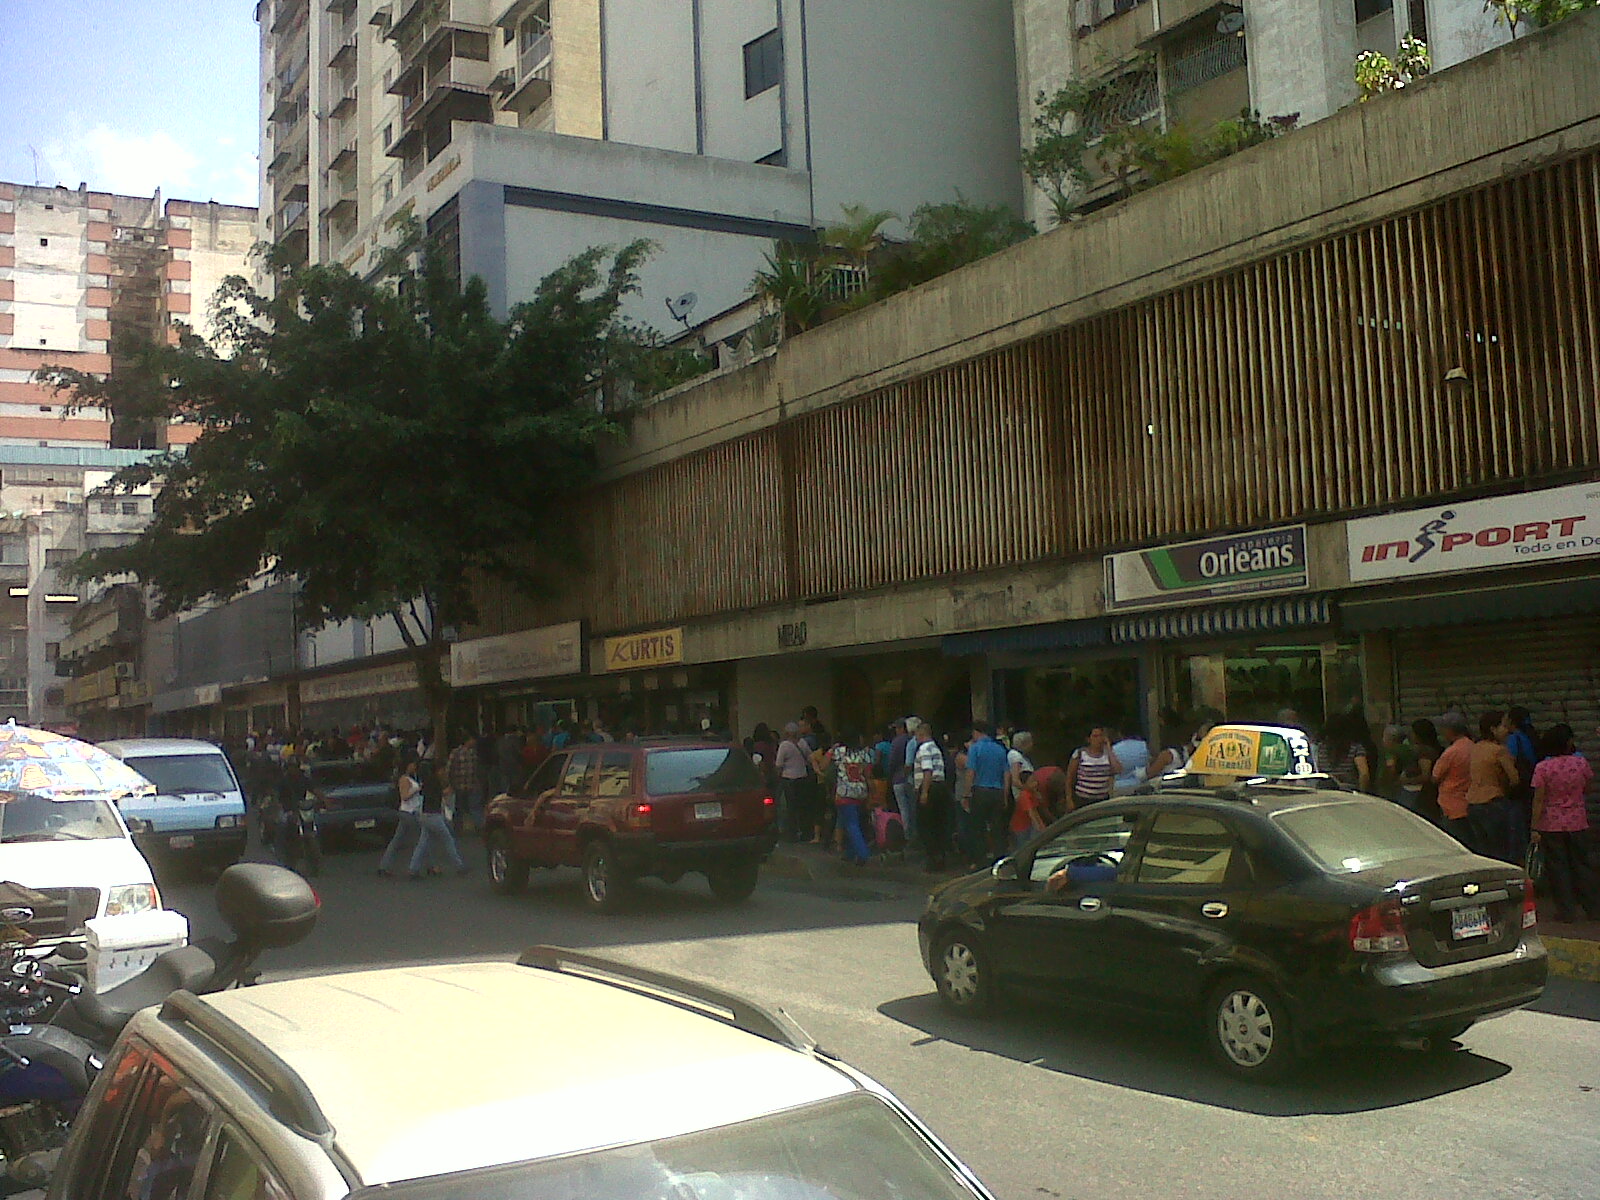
(428, 650)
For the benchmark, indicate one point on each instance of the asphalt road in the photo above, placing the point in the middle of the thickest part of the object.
(1041, 1102)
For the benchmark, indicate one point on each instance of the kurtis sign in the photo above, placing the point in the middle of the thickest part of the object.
(542, 653)
(662, 648)
(1504, 531)
(1268, 560)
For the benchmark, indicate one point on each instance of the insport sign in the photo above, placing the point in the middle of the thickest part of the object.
(1503, 531)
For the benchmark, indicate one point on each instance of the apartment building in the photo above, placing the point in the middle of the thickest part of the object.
(80, 269)
(1195, 62)
(523, 131)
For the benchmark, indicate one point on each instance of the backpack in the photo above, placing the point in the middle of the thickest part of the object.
(888, 831)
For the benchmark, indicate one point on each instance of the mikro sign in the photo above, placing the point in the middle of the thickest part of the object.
(1473, 535)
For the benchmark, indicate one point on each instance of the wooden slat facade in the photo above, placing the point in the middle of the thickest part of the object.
(1303, 386)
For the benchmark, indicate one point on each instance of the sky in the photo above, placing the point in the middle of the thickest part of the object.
(131, 95)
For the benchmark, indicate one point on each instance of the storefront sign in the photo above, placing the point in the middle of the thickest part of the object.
(791, 636)
(375, 681)
(1253, 751)
(1271, 560)
(542, 653)
(1504, 531)
(663, 648)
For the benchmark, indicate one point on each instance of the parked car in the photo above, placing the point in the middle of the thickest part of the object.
(198, 810)
(625, 811)
(1281, 913)
(361, 799)
(674, 1091)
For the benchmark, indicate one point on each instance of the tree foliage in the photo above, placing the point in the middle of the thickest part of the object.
(381, 440)
(1536, 12)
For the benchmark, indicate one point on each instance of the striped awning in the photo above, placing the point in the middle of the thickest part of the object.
(1030, 639)
(1221, 620)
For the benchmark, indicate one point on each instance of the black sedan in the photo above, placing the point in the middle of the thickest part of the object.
(1284, 916)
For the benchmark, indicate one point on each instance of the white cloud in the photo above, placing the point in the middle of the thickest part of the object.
(131, 164)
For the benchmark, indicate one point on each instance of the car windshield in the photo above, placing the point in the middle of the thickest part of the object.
(1361, 834)
(716, 769)
(26, 817)
(177, 774)
(852, 1148)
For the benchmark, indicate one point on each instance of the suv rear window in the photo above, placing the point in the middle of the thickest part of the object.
(1361, 834)
(718, 770)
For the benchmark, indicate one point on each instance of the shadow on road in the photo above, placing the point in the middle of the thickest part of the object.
(1570, 998)
(1165, 1062)
(367, 921)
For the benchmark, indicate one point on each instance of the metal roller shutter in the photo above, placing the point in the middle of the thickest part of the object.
(1552, 667)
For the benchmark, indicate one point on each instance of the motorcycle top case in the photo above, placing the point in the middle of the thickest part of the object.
(267, 905)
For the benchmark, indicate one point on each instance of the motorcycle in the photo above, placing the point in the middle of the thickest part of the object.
(299, 845)
(59, 1032)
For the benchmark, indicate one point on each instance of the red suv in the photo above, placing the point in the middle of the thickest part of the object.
(625, 811)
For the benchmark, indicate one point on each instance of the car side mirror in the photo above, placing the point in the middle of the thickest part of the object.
(1006, 868)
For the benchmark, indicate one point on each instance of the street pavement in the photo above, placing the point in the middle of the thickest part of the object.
(1041, 1102)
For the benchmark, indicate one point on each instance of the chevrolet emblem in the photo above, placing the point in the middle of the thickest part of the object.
(1470, 890)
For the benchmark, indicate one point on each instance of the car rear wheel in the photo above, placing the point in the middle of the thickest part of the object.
(735, 882)
(507, 874)
(962, 974)
(604, 885)
(1247, 1027)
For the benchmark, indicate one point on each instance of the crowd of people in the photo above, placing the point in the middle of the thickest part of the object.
(968, 797)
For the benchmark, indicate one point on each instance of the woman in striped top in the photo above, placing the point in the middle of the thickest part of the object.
(1093, 769)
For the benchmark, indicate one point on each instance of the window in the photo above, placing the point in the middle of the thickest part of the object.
(713, 770)
(236, 1174)
(1186, 848)
(575, 779)
(1359, 835)
(44, 241)
(615, 774)
(1367, 9)
(388, 135)
(130, 508)
(185, 774)
(52, 651)
(763, 64)
(1100, 841)
(546, 777)
(161, 1142)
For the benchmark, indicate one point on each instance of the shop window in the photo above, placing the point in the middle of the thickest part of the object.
(1265, 683)
(1060, 705)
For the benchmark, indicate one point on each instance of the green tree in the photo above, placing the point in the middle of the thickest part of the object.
(382, 441)
(943, 237)
(795, 285)
(1536, 12)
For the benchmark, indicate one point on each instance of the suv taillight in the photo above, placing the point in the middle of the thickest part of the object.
(769, 806)
(1530, 907)
(1379, 930)
(639, 815)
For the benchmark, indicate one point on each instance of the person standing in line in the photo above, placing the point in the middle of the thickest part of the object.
(1133, 754)
(466, 784)
(899, 777)
(793, 770)
(1344, 754)
(910, 816)
(1523, 744)
(852, 769)
(933, 798)
(1396, 762)
(509, 755)
(1092, 769)
(1452, 773)
(1419, 783)
(986, 765)
(1561, 824)
(432, 826)
(1019, 766)
(764, 753)
(1493, 779)
(408, 827)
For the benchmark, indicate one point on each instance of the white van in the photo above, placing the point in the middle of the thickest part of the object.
(198, 809)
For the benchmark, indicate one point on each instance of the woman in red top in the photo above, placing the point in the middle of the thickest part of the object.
(1561, 823)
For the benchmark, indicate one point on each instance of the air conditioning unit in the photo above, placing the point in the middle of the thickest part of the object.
(124, 670)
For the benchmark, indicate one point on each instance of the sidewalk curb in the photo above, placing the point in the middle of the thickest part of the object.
(1574, 958)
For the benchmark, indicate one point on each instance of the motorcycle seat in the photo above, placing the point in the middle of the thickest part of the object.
(187, 968)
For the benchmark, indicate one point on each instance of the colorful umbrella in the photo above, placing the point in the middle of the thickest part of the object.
(63, 768)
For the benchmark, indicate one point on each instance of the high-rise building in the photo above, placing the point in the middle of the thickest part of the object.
(79, 271)
(524, 131)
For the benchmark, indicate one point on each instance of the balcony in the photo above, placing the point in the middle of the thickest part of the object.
(340, 202)
(292, 150)
(530, 83)
(343, 157)
(291, 219)
(344, 54)
(344, 102)
(289, 13)
(341, 8)
(297, 191)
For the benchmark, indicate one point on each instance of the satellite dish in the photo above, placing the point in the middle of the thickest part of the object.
(1232, 22)
(681, 306)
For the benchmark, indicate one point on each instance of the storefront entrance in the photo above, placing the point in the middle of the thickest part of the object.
(1060, 704)
(1263, 683)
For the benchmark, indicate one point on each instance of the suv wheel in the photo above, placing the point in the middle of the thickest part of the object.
(961, 973)
(507, 874)
(1247, 1028)
(604, 884)
(734, 882)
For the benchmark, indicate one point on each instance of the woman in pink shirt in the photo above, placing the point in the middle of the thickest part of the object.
(1561, 822)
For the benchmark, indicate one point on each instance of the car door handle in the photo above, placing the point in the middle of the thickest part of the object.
(1090, 904)
(1214, 909)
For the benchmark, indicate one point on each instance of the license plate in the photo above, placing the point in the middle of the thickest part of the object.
(182, 842)
(367, 824)
(1469, 922)
(708, 812)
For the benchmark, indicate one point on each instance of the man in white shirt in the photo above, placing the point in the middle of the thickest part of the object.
(933, 797)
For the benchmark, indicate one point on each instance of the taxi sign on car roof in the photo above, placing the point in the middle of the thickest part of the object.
(1254, 752)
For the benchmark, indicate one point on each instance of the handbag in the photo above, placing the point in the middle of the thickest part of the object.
(1533, 862)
